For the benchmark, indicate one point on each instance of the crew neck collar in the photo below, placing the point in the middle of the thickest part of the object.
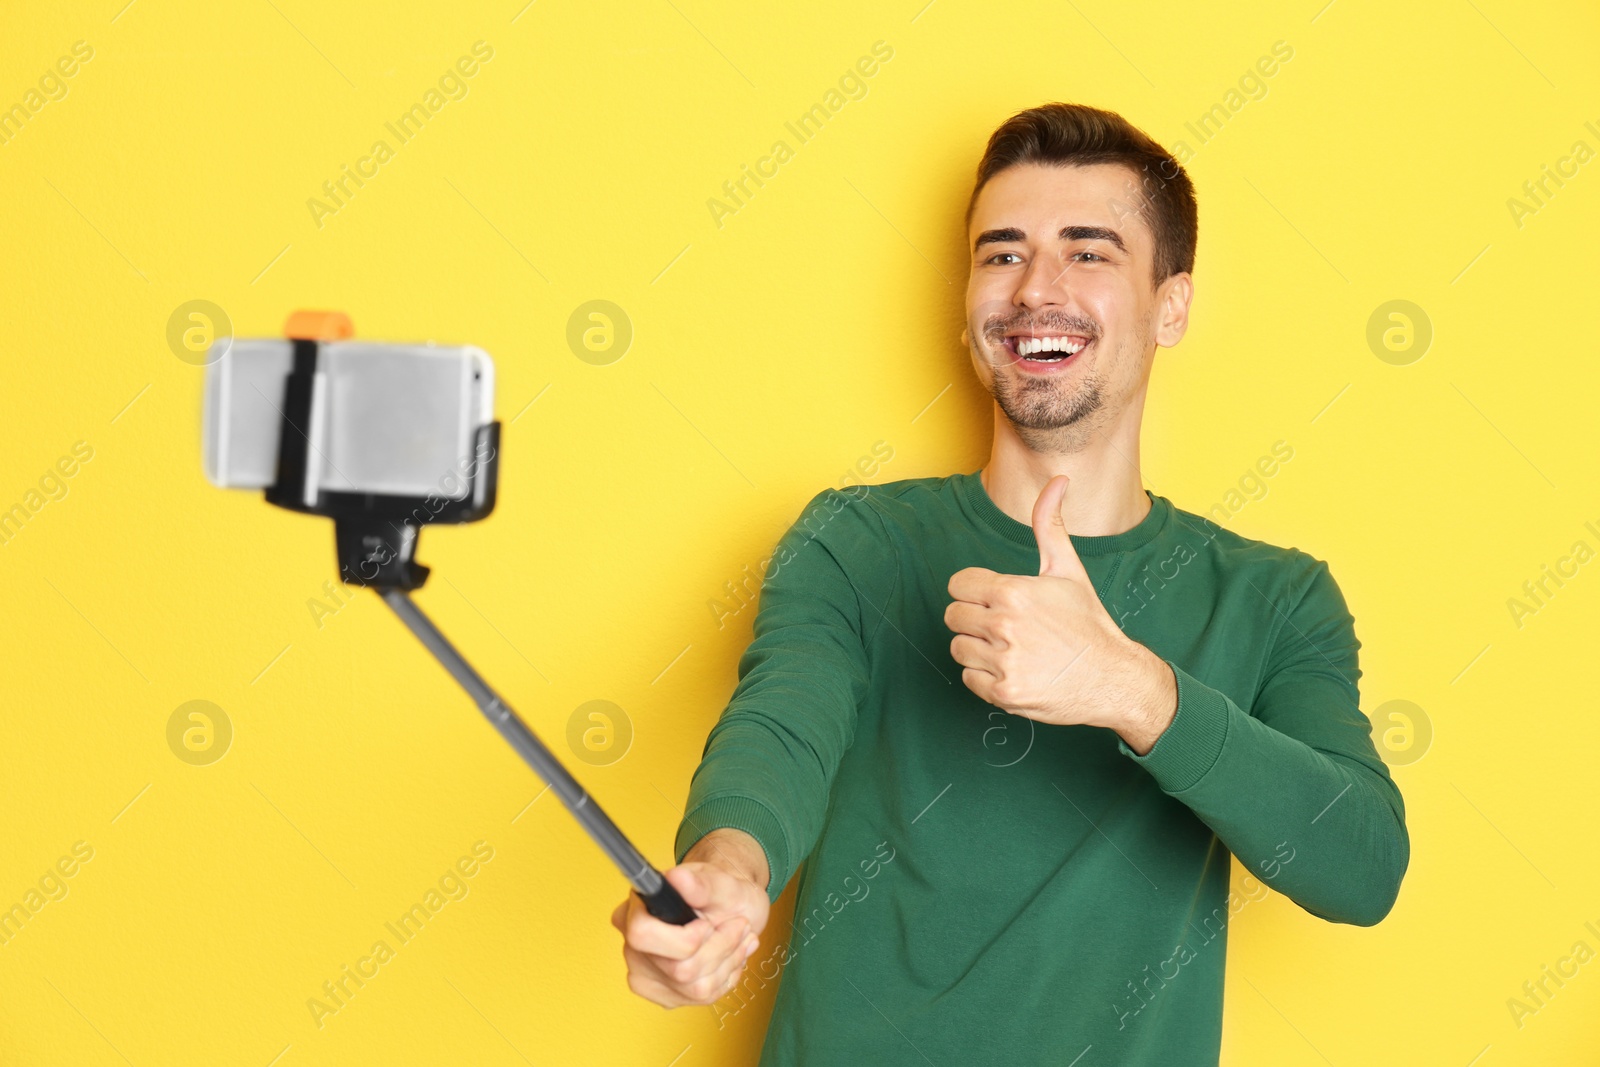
(977, 497)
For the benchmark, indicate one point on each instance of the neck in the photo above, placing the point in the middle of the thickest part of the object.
(1107, 492)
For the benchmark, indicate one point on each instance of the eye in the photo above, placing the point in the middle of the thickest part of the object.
(997, 255)
(1091, 255)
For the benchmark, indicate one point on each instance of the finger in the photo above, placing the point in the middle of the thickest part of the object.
(708, 959)
(695, 890)
(973, 652)
(643, 982)
(720, 982)
(650, 934)
(966, 618)
(981, 682)
(646, 969)
(707, 889)
(975, 585)
(727, 976)
(730, 898)
(1057, 557)
(647, 980)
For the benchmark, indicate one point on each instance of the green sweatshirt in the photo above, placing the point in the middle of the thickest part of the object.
(979, 888)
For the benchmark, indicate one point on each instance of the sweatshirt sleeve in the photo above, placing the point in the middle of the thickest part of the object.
(770, 759)
(1295, 787)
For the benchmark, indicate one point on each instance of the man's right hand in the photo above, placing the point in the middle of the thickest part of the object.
(724, 878)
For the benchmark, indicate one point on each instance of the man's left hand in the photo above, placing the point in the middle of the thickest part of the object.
(1045, 648)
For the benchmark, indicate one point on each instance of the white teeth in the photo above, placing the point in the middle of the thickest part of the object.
(1032, 346)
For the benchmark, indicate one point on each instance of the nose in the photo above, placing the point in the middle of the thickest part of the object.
(1043, 282)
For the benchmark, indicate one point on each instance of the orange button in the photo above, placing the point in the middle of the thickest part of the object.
(318, 326)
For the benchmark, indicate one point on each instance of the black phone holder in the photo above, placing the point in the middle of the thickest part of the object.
(375, 533)
(376, 536)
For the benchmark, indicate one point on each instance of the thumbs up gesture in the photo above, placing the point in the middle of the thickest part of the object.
(1045, 648)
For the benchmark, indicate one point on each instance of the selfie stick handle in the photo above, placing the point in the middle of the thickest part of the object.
(660, 898)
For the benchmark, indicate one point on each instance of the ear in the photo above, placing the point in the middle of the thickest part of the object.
(1172, 315)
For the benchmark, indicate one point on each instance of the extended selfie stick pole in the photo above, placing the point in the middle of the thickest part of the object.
(376, 538)
(659, 897)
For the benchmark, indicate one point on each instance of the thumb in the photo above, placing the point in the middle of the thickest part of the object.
(1057, 557)
(705, 888)
(690, 886)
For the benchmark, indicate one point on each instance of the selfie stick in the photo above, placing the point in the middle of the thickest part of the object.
(376, 537)
(659, 897)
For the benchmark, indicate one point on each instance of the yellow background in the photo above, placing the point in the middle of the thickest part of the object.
(768, 356)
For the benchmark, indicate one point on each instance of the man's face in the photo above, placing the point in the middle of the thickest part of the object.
(1063, 255)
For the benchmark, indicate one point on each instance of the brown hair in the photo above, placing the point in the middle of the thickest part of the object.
(1077, 135)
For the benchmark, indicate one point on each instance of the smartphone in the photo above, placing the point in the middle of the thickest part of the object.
(400, 420)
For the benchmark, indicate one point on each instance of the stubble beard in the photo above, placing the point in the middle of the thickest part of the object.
(1049, 414)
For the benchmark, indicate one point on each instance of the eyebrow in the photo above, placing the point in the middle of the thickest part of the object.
(1069, 233)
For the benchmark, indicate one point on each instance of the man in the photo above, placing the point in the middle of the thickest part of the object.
(1017, 839)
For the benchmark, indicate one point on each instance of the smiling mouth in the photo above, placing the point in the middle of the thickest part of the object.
(1045, 349)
